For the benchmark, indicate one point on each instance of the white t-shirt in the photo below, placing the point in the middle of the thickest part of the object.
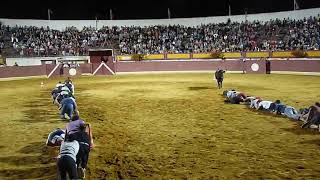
(231, 93)
(59, 84)
(255, 104)
(69, 149)
(265, 104)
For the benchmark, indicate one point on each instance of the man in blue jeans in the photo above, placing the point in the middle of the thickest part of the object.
(288, 111)
(68, 106)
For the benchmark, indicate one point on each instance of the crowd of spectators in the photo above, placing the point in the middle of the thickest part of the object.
(273, 35)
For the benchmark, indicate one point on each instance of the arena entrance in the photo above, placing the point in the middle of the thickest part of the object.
(99, 62)
(102, 61)
(66, 66)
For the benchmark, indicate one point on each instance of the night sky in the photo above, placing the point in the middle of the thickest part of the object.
(141, 9)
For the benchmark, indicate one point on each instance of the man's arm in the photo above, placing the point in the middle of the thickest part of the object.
(75, 108)
(89, 131)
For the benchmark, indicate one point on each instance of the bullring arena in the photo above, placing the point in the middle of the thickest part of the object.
(160, 115)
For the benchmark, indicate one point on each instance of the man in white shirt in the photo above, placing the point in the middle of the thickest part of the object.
(264, 105)
(67, 158)
(255, 103)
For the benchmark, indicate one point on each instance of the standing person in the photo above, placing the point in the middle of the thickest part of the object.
(67, 158)
(219, 77)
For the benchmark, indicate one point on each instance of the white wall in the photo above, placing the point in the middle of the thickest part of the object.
(33, 61)
(62, 24)
(26, 61)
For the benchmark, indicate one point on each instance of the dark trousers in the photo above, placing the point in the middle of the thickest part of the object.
(67, 109)
(67, 165)
(219, 81)
(83, 155)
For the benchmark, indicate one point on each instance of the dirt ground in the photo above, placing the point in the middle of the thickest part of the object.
(164, 126)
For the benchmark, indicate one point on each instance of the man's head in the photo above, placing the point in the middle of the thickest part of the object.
(317, 104)
(83, 127)
(225, 93)
(277, 101)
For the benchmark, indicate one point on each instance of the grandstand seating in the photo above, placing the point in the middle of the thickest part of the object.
(272, 35)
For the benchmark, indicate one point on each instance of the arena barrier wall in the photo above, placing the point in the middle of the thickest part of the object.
(22, 71)
(295, 65)
(304, 66)
(210, 65)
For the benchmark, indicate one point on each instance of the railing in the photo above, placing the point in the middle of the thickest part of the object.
(222, 55)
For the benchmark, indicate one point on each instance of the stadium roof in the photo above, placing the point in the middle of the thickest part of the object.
(142, 9)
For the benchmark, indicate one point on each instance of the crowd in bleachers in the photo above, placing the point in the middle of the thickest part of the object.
(272, 35)
(310, 116)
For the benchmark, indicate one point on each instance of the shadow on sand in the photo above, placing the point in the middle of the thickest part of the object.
(36, 161)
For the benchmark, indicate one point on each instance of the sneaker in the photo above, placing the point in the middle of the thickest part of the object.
(81, 172)
(313, 126)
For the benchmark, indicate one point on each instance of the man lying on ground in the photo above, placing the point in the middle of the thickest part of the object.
(234, 97)
(249, 99)
(255, 103)
(264, 105)
(285, 110)
(313, 117)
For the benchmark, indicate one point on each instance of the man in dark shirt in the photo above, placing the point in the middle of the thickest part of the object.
(83, 155)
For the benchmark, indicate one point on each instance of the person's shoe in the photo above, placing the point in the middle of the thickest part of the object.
(313, 126)
(81, 173)
(84, 172)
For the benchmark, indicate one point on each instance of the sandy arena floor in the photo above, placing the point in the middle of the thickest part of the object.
(164, 126)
